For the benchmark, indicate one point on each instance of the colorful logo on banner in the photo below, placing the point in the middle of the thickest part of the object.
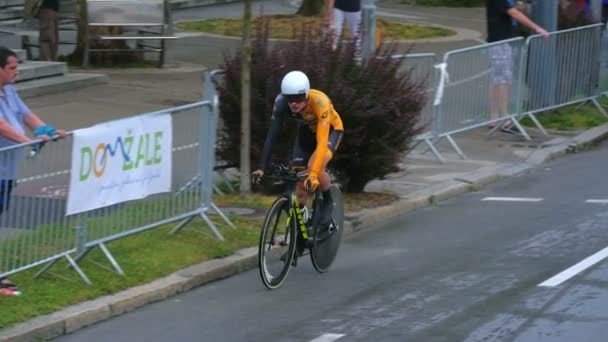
(119, 161)
(131, 151)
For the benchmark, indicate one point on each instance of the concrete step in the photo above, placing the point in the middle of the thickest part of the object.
(30, 70)
(10, 3)
(10, 13)
(57, 84)
(21, 54)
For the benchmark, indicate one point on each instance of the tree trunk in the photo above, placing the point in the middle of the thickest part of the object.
(310, 8)
(81, 22)
(245, 181)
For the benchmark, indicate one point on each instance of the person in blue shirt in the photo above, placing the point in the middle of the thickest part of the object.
(15, 117)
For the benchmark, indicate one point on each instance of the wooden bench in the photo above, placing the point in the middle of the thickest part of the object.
(145, 22)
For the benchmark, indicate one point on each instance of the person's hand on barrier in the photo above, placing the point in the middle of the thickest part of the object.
(45, 133)
(311, 183)
(256, 176)
(543, 33)
(61, 133)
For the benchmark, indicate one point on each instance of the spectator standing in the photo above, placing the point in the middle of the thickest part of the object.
(502, 18)
(15, 117)
(48, 37)
(340, 11)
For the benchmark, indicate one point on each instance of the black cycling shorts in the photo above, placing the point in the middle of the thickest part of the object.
(306, 143)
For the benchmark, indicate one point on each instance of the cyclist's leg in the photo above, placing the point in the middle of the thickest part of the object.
(324, 184)
(324, 180)
(302, 150)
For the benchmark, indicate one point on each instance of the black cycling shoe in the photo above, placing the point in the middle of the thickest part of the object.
(294, 262)
(300, 246)
(326, 209)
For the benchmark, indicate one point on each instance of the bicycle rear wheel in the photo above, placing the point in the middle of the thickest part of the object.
(277, 244)
(327, 241)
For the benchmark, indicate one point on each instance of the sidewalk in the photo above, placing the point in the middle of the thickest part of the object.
(423, 181)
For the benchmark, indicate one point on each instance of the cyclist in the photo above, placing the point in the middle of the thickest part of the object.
(319, 133)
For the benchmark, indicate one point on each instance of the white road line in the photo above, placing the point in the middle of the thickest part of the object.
(600, 201)
(327, 337)
(512, 199)
(576, 269)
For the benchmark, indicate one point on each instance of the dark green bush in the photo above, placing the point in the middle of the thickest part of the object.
(379, 102)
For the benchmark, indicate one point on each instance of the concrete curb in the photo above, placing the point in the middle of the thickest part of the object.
(79, 316)
(579, 142)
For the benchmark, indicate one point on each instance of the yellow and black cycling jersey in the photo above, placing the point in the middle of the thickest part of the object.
(318, 119)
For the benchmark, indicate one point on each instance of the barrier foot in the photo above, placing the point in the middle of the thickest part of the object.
(111, 259)
(73, 265)
(537, 123)
(194, 180)
(599, 107)
(217, 190)
(45, 268)
(78, 270)
(430, 143)
(434, 150)
(181, 225)
(226, 219)
(80, 256)
(455, 146)
(227, 181)
(521, 129)
(212, 226)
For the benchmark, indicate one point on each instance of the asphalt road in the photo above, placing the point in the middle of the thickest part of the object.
(467, 269)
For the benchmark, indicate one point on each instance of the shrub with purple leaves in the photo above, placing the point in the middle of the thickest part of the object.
(377, 98)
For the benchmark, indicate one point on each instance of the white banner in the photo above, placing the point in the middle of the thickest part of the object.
(119, 161)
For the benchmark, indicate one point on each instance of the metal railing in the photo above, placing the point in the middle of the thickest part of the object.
(535, 75)
(34, 228)
(562, 70)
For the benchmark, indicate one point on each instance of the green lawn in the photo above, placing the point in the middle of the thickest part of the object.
(143, 257)
(571, 118)
(283, 26)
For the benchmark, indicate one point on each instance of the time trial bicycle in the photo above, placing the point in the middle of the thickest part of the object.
(289, 231)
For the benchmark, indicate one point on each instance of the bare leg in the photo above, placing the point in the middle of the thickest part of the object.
(503, 99)
(324, 180)
(494, 101)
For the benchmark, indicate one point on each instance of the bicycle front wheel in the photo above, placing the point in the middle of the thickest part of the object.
(327, 240)
(277, 244)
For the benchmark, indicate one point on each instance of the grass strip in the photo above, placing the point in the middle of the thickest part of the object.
(285, 26)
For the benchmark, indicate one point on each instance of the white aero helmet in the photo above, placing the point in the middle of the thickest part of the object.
(295, 83)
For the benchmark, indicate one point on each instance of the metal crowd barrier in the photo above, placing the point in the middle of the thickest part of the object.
(546, 74)
(603, 77)
(35, 231)
(462, 98)
(562, 70)
(421, 67)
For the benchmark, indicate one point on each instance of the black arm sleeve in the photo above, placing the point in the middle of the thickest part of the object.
(278, 113)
